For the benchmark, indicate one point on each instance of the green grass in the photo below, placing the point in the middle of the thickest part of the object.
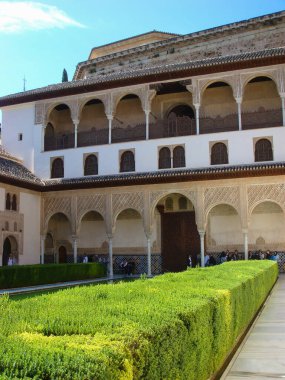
(175, 326)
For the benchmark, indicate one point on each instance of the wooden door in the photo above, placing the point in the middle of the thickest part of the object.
(62, 255)
(180, 239)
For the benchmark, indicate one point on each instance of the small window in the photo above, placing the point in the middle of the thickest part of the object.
(8, 201)
(7, 226)
(127, 163)
(164, 161)
(263, 150)
(219, 154)
(15, 227)
(57, 168)
(14, 202)
(20, 136)
(91, 165)
(178, 157)
(169, 204)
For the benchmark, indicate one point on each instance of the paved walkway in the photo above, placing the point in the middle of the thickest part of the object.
(62, 285)
(262, 353)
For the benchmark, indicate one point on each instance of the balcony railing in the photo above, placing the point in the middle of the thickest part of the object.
(217, 124)
(63, 141)
(129, 133)
(262, 119)
(178, 126)
(171, 127)
(92, 137)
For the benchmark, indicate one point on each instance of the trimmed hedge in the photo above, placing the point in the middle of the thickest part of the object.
(175, 326)
(29, 275)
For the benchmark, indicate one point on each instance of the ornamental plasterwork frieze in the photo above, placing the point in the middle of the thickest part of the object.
(246, 77)
(56, 205)
(221, 195)
(279, 77)
(96, 202)
(261, 193)
(145, 95)
(122, 201)
(39, 113)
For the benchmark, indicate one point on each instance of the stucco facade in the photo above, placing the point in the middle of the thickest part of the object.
(176, 146)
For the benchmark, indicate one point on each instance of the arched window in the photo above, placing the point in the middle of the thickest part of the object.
(263, 150)
(164, 161)
(57, 168)
(169, 204)
(178, 157)
(49, 140)
(182, 202)
(91, 165)
(219, 154)
(8, 201)
(127, 163)
(14, 202)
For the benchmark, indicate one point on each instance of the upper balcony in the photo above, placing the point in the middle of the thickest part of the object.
(172, 114)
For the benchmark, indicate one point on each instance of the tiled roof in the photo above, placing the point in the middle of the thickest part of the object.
(14, 172)
(163, 175)
(84, 85)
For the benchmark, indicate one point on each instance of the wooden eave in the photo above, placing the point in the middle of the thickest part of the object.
(143, 78)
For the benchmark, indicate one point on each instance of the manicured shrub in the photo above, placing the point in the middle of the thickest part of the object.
(28, 275)
(175, 326)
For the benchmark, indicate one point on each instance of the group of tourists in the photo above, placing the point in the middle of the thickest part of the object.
(260, 255)
(224, 256)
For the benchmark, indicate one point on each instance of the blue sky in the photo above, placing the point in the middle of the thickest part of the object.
(39, 39)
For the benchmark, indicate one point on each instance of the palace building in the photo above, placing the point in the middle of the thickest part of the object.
(162, 146)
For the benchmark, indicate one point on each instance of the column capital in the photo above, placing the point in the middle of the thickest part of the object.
(75, 122)
(282, 95)
(201, 233)
(244, 230)
(74, 238)
(196, 105)
(110, 116)
(238, 100)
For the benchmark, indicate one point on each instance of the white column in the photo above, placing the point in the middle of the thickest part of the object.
(197, 107)
(238, 100)
(75, 132)
(111, 273)
(110, 118)
(75, 249)
(42, 256)
(283, 108)
(202, 236)
(148, 257)
(245, 241)
(147, 125)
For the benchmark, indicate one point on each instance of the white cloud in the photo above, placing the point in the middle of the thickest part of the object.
(19, 16)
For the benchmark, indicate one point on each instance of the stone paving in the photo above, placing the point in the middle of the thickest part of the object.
(262, 353)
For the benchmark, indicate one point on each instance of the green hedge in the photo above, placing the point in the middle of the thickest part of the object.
(29, 275)
(175, 326)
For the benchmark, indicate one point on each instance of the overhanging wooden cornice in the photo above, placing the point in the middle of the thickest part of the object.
(150, 75)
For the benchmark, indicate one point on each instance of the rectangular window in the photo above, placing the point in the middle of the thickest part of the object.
(20, 136)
